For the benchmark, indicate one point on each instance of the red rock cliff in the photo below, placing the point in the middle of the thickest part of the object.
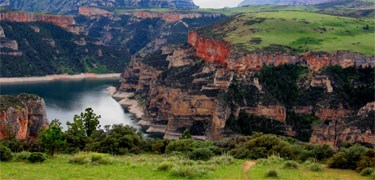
(22, 116)
(61, 21)
(221, 52)
(169, 16)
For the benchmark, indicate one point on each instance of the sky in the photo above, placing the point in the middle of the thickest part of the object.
(217, 3)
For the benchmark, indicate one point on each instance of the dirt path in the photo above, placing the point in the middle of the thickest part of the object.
(246, 167)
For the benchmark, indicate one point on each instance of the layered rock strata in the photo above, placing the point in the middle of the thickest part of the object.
(22, 117)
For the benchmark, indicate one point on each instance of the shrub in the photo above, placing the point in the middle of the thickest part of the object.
(98, 158)
(22, 156)
(188, 171)
(37, 157)
(367, 160)
(367, 171)
(272, 174)
(348, 158)
(258, 152)
(222, 160)
(5, 153)
(166, 166)
(91, 158)
(290, 165)
(271, 144)
(239, 153)
(201, 154)
(315, 167)
(80, 158)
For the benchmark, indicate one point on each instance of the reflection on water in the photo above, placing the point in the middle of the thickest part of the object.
(64, 99)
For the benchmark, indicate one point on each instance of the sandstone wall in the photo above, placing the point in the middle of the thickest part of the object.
(221, 52)
(24, 119)
(61, 21)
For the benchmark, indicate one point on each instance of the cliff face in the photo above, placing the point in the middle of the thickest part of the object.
(22, 116)
(283, 2)
(171, 16)
(72, 6)
(220, 52)
(61, 21)
(208, 89)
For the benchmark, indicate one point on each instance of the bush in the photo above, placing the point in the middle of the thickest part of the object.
(290, 165)
(272, 174)
(98, 158)
(5, 153)
(80, 158)
(367, 171)
(258, 152)
(348, 158)
(166, 166)
(188, 171)
(367, 160)
(222, 160)
(37, 157)
(91, 158)
(204, 154)
(315, 167)
(22, 156)
(188, 145)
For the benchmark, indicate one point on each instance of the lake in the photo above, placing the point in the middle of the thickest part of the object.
(65, 98)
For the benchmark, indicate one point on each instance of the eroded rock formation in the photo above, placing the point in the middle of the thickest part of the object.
(61, 21)
(221, 52)
(186, 87)
(22, 116)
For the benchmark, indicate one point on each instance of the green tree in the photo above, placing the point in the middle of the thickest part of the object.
(87, 122)
(81, 129)
(186, 134)
(52, 137)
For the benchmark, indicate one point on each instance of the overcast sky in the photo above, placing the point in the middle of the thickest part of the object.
(216, 3)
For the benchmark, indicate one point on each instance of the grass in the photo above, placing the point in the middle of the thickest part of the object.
(123, 167)
(302, 31)
(148, 166)
(261, 170)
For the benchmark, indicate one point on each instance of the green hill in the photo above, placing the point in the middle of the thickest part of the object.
(298, 31)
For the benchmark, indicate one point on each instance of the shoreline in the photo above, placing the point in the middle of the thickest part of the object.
(123, 99)
(58, 77)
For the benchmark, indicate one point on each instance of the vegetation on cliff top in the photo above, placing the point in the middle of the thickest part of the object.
(298, 31)
(17, 102)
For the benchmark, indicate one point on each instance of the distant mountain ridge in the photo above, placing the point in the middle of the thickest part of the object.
(284, 2)
(71, 6)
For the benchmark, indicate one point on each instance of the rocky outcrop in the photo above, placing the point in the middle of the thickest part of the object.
(93, 11)
(61, 21)
(222, 53)
(359, 128)
(72, 7)
(182, 91)
(283, 2)
(22, 116)
(170, 16)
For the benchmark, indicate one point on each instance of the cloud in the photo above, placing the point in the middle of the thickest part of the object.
(217, 3)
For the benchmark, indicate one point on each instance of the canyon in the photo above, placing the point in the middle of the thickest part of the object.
(191, 87)
(72, 7)
(22, 116)
(23, 17)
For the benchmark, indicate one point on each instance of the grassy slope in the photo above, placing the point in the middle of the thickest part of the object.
(303, 31)
(145, 167)
(259, 171)
(124, 167)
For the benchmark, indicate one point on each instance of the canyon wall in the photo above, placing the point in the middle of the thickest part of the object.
(190, 87)
(22, 116)
(61, 21)
(222, 53)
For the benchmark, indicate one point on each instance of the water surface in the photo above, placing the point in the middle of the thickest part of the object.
(65, 98)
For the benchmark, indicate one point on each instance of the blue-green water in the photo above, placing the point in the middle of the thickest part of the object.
(66, 98)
